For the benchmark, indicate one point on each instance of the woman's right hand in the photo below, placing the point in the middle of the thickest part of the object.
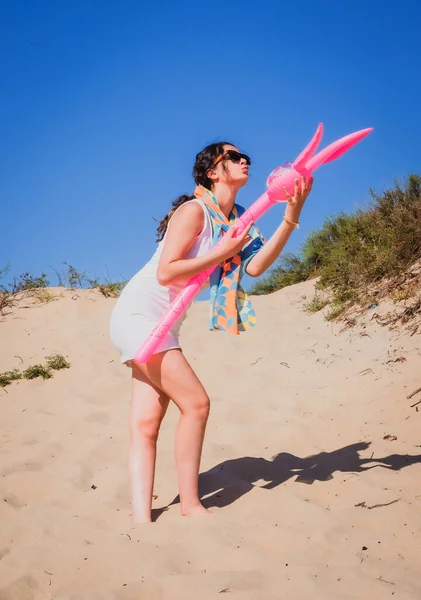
(230, 245)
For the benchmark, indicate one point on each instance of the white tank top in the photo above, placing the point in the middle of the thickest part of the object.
(143, 295)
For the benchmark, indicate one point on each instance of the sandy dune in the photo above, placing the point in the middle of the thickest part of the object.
(310, 500)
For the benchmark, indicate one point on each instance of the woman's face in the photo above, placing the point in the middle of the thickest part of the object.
(232, 170)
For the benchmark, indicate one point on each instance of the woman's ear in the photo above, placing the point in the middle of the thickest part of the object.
(211, 174)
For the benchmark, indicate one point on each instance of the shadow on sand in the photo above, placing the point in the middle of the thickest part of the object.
(228, 481)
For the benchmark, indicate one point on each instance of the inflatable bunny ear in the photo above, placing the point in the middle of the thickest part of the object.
(301, 161)
(336, 149)
(306, 162)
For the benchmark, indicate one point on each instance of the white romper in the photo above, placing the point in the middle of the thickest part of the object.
(144, 301)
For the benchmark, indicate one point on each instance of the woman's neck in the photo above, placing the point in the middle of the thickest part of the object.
(225, 194)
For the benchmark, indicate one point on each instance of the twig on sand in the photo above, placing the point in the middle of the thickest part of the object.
(413, 394)
(364, 505)
(365, 371)
(253, 363)
(385, 580)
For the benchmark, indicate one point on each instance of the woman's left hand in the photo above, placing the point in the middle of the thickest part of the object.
(295, 203)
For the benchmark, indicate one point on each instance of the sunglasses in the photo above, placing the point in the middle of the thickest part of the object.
(233, 156)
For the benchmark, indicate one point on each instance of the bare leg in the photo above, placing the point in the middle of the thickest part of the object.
(149, 405)
(171, 372)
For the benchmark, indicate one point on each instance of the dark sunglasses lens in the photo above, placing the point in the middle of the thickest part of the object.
(237, 156)
(234, 156)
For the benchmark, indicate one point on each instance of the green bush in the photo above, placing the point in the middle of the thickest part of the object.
(290, 269)
(362, 248)
(352, 251)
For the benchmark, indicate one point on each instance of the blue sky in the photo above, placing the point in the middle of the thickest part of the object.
(104, 106)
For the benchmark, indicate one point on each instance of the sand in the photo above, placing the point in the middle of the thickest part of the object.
(309, 499)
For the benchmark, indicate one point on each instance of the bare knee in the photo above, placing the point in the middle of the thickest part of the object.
(198, 408)
(145, 427)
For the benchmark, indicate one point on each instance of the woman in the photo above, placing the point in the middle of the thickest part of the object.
(184, 250)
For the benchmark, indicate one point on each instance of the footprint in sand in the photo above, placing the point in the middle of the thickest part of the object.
(27, 588)
(30, 488)
(12, 500)
(101, 418)
(21, 466)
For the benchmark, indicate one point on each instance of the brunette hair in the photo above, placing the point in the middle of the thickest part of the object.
(205, 160)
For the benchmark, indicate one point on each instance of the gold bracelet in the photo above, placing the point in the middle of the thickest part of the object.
(297, 225)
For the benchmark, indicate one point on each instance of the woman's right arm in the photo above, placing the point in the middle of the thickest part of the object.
(186, 225)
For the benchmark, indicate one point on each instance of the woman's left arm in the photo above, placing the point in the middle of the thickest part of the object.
(274, 246)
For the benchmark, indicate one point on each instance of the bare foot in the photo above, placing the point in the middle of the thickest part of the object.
(195, 511)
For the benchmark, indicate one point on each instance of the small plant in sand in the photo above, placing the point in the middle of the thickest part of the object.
(6, 301)
(315, 304)
(54, 362)
(336, 309)
(73, 278)
(37, 371)
(57, 362)
(27, 281)
(108, 289)
(8, 376)
(24, 284)
(406, 291)
(7, 298)
(36, 287)
(43, 296)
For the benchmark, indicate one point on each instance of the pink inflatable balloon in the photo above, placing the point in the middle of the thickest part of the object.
(283, 176)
